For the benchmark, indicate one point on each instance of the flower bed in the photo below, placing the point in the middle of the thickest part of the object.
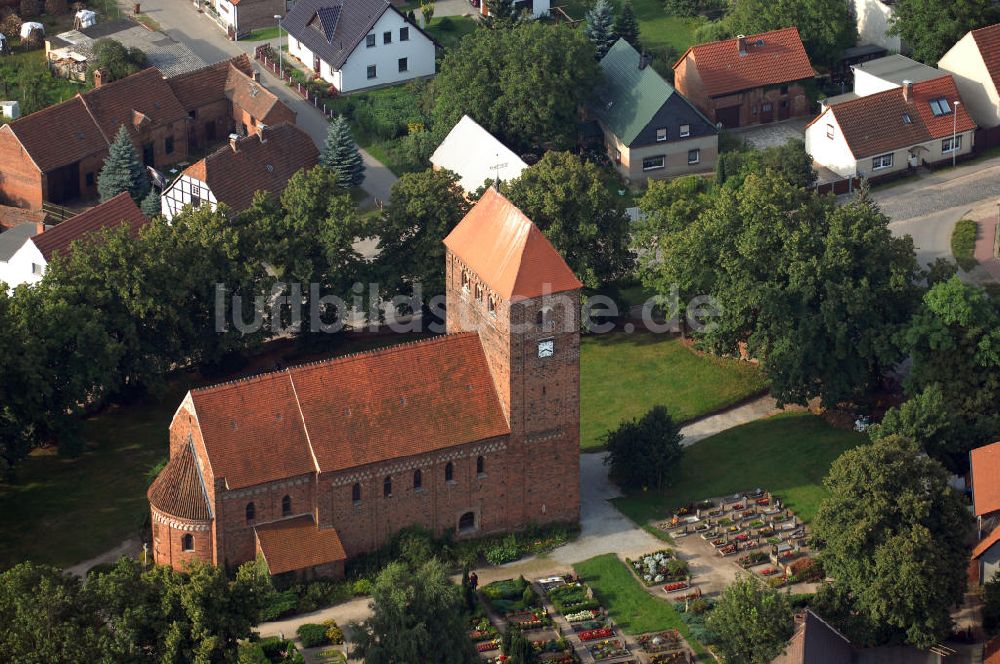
(661, 641)
(594, 634)
(768, 571)
(657, 567)
(756, 523)
(528, 619)
(608, 649)
(669, 658)
(486, 646)
(751, 559)
(676, 586)
(579, 616)
(572, 598)
(510, 595)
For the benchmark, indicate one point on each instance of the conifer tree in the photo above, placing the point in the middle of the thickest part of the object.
(599, 28)
(340, 154)
(150, 205)
(627, 26)
(122, 171)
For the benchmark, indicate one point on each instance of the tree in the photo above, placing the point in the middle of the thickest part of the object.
(926, 419)
(894, 537)
(930, 28)
(566, 198)
(627, 26)
(423, 209)
(519, 648)
(116, 60)
(495, 77)
(752, 621)
(122, 171)
(789, 161)
(502, 14)
(341, 155)
(416, 617)
(645, 453)
(150, 205)
(599, 27)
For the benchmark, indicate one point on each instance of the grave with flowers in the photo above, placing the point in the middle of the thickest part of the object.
(659, 567)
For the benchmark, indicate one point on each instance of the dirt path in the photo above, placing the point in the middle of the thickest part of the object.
(130, 547)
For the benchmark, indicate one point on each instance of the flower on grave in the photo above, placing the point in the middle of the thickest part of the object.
(658, 578)
(648, 578)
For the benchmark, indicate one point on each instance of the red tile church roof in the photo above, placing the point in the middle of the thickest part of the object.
(508, 252)
(351, 411)
(178, 489)
(296, 543)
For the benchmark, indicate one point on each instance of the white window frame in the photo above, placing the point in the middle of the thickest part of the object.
(879, 161)
(685, 131)
(661, 157)
(661, 134)
(697, 156)
(947, 147)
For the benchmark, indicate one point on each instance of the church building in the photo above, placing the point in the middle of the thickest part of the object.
(475, 431)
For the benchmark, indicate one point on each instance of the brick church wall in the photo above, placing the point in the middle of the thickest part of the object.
(168, 540)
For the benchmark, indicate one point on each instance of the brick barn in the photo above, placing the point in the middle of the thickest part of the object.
(474, 432)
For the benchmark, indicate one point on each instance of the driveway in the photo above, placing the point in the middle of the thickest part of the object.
(773, 133)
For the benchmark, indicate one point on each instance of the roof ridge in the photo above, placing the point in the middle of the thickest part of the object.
(748, 37)
(214, 65)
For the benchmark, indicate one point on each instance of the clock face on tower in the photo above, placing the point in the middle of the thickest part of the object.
(546, 348)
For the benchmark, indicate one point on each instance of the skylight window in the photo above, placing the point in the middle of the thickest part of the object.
(940, 106)
(907, 119)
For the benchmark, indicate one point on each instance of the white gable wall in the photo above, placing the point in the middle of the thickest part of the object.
(26, 266)
(181, 193)
(866, 83)
(418, 50)
(965, 63)
(874, 18)
(830, 152)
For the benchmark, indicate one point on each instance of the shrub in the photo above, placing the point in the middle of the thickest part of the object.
(504, 551)
(699, 606)
(334, 634)
(361, 587)
(11, 27)
(677, 568)
(279, 604)
(313, 635)
(963, 243)
(445, 24)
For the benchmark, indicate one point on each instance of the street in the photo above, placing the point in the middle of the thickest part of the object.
(181, 20)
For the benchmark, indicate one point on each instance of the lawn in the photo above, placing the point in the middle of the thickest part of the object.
(632, 608)
(63, 511)
(45, 88)
(657, 29)
(449, 30)
(265, 34)
(788, 454)
(624, 375)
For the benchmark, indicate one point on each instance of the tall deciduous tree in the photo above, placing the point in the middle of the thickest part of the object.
(930, 28)
(524, 85)
(416, 617)
(599, 27)
(752, 622)
(927, 420)
(566, 197)
(340, 154)
(116, 60)
(894, 536)
(627, 26)
(122, 171)
(645, 453)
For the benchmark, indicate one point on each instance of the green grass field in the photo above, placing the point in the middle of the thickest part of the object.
(657, 29)
(46, 89)
(629, 604)
(64, 511)
(265, 34)
(449, 30)
(788, 454)
(624, 375)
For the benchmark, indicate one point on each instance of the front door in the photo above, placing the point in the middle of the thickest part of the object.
(316, 63)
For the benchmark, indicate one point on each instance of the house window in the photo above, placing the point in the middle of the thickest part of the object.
(37, 269)
(386, 37)
(480, 466)
(195, 201)
(829, 131)
(694, 156)
(685, 131)
(418, 479)
(356, 493)
(387, 487)
(882, 161)
(661, 135)
(286, 506)
(404, 34)
(193, 114)
(403, 65)
(653, 163)
(187, 542)
(371, 71)
(951, 144)
(940, 106)
(449, 472)
(251, 512)
(370, 41)
(168, 145)
(90, 179)
(765, 108)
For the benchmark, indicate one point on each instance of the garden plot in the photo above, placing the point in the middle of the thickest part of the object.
(517, 603)
(749, 531)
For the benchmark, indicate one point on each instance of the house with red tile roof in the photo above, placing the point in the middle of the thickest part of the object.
(472, 432)
(234, 173)
(984, 469)
(890, 131)
(26, 250)
(974, 63)
(55, 155)
(815, 641)
(747, 80)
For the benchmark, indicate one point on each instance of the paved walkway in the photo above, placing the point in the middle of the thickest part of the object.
(130, 547)
(985, 245)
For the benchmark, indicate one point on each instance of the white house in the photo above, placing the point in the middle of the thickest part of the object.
(475, 155)
(240, 17)
(358, 44)
(873, 19)
(26, 251)
(536, 8)
(973, 63)
(235, 172)
(883, 74)
(891, 130)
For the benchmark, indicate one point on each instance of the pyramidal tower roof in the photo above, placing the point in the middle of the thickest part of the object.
(508, 251)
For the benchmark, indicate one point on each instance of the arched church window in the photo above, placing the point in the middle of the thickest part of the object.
(449, 472)
(418, 479)
(387, 487)
(187, 542)
(251, 512)
(286, 506)
(356, 493)
(480, 465)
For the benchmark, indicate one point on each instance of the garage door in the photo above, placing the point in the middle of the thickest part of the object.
(729, 117)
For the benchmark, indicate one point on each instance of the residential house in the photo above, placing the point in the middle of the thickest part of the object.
(358, 44)
(873, 19)
(984, 468)
(234, 173)
(974, 62)
(69, 53)
(241, 17)
(27, 249)
(884, 73)
(650, 129)
(893, 130)
(55, 155)
(475, 155)
(747, 80)
(469, 433)
(533, 8)
(815, 642)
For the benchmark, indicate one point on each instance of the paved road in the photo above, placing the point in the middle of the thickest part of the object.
(180, 20)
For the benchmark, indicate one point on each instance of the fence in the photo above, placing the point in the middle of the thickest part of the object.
(282, 70)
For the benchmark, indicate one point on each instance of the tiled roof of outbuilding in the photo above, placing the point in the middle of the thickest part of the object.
(293, 544)
(205, 85)
(58, 135)
(178, 489)
(119, 210)
(985, 465)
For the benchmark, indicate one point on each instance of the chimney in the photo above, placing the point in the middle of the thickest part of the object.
(234, 141)
(262, 130)
(907, 91)
(99, 75)
(255, 76)
(39, 227)
(741, 42)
